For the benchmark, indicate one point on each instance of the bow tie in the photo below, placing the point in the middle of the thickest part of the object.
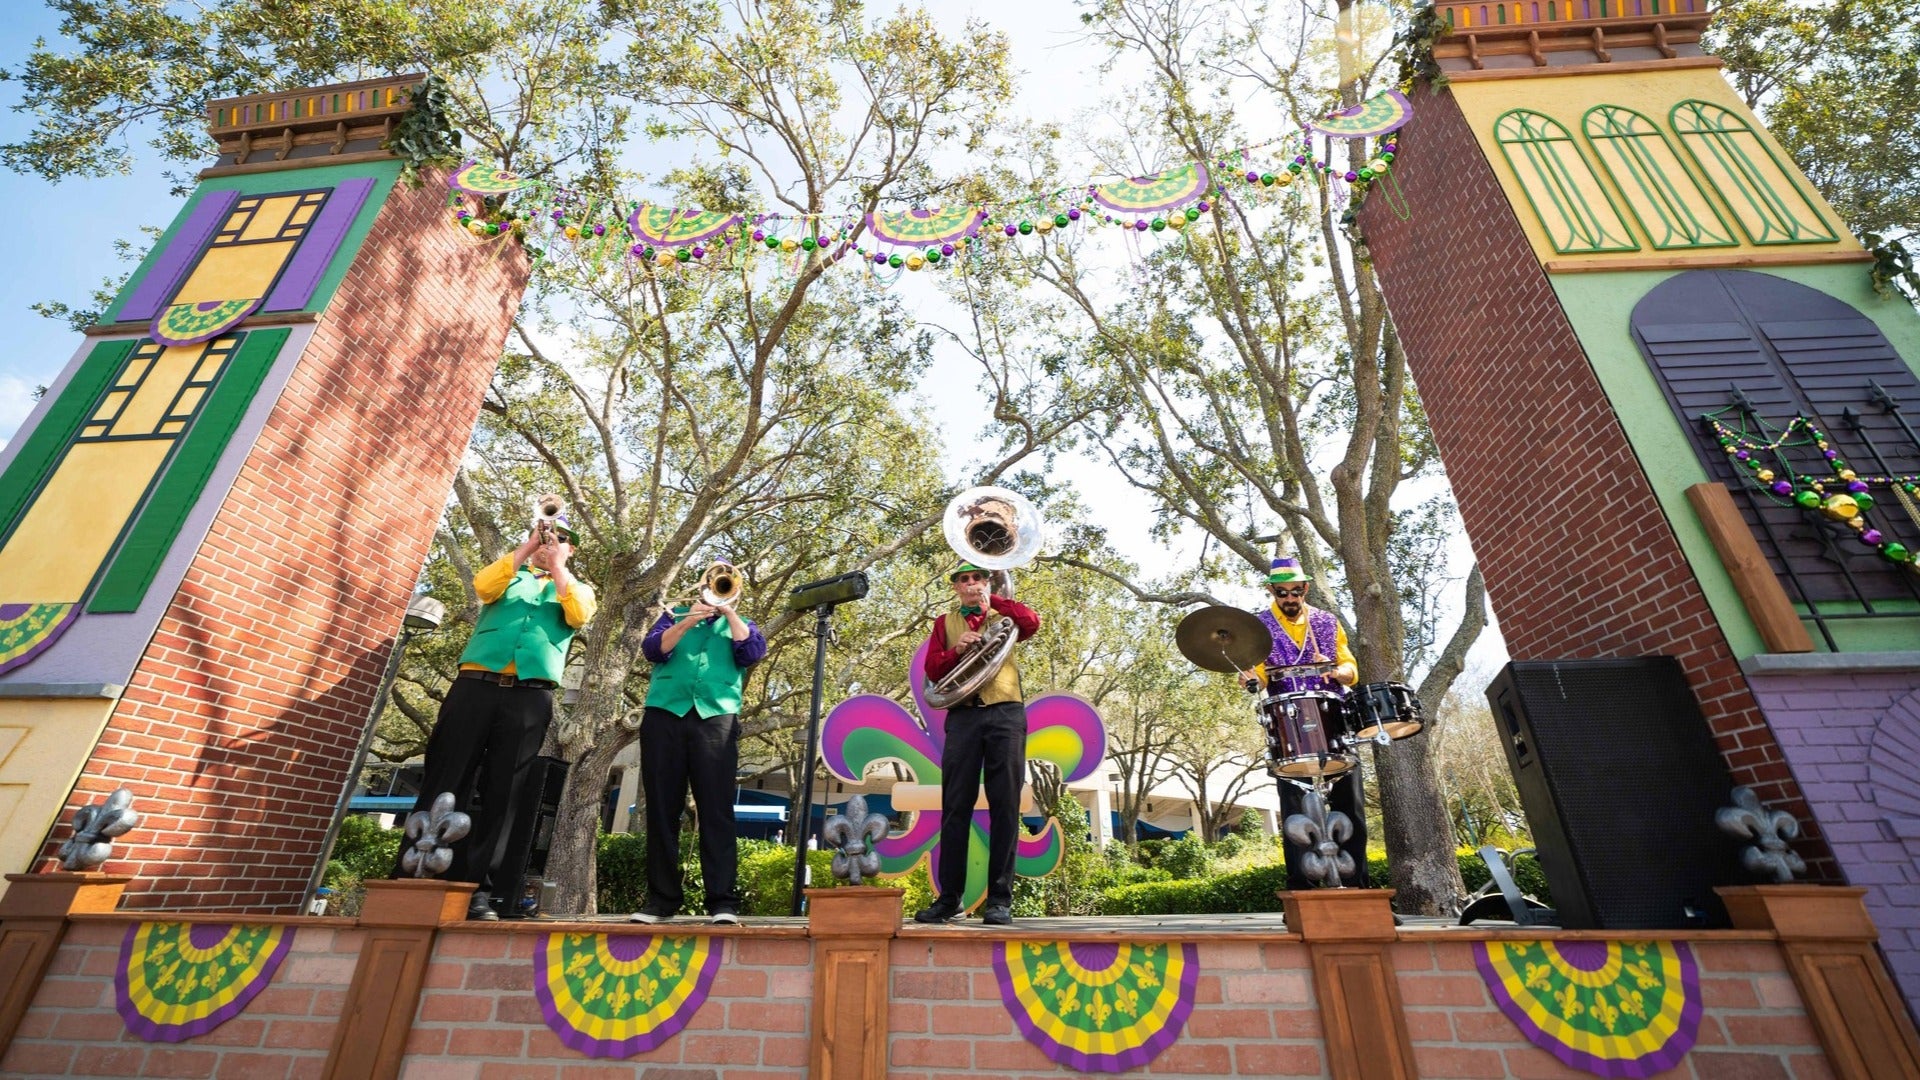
(966, 610)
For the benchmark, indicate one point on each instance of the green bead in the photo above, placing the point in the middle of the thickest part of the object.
(647, 254)
(1061, 221)
(1026, 227)
(1266, 179)
(1864, 501)
(1159, 224)
(896, 262)
(1193, 213)
(1896, 552)
(933, 255)
(1294, 168)
(773, 243)
(809, 243)
(1366, 174)
(684, 254)
(1807, 499)
(1386, 156)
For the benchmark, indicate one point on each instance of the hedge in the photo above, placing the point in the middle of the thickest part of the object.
(1254, 889)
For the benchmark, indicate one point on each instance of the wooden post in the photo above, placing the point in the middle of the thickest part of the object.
(853, 929)
(1828, 938)
(1767, 604)
(401, 918)
(1347, 932)
(33, 921)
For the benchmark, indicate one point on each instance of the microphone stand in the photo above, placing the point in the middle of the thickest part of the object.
(822, 630)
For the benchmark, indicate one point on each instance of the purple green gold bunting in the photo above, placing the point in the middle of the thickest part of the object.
(28, 629)
(617, 995)
(666, 227)
(1378, 115)
(1161, 191)
(922, 228)
(191, 324)
(179, 980)
(1610, 1008)
(1098, 1006)
(478, 179)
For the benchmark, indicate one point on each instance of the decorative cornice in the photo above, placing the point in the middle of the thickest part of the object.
(315, 125)
(1559, 37)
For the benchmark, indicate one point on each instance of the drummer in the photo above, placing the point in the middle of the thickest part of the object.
(1304, 636)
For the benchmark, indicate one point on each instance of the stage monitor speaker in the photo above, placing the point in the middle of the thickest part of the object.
(532, 836)
(1620, 780)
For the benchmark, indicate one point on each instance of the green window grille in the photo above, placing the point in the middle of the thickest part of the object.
(1571, 203)
(1771, 207)
(1666, 200)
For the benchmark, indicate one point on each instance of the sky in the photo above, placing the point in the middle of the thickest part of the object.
(61, 245)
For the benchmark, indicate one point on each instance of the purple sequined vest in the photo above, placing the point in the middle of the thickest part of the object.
(1323, 633)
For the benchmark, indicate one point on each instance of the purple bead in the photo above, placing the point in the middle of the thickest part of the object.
(759, 236)
(557, 215)
(1013, 230)
(1857, 486)
(1253, 177)
(1140, 226)
(1073, 214)
(1205, 206)
(1351, 176)
(463, 215)
(636, 250)
(757, 219)
(880, 257)
(1832, 454)
(599, 230)
(1872, 536)
(699, 252)
(946, 249)
(1782, 487)
(1743, 455)
(1393, 148)
(1299, 159)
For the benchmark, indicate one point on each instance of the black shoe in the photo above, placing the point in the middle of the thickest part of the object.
(651, 912)
(997, 915)
(942, 910)
(480, 908)
(724, 915)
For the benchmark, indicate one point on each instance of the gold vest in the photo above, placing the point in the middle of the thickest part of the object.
(1005, 683)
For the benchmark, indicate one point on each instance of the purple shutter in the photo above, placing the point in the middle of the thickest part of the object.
(170, 268)
(310, 261)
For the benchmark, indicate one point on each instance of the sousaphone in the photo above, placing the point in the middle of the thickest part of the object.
(996, 530)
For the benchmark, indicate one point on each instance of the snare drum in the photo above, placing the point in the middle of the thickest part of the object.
(1388, 707)
(1307, 734)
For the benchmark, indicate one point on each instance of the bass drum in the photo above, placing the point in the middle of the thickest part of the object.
(1307, 734)
(1387, 707)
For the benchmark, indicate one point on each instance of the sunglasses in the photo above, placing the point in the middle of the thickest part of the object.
(968, 579)
(1281, 591)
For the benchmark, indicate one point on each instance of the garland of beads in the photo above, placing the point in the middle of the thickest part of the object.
(1843, 495)
(570, 218)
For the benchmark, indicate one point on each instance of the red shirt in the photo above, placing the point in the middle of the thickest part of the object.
(941, 660)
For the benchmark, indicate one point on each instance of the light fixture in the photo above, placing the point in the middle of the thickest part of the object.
(424, 614)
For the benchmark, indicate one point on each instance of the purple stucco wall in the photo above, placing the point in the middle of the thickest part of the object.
(1852, 738)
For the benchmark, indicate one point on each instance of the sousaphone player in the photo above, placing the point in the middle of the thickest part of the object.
(970, 672)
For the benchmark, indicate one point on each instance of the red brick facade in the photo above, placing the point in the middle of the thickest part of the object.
(1578, 556)
(237, 729)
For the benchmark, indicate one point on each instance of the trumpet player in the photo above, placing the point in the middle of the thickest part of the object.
(496, 713)
(690, 738)
(988, 731)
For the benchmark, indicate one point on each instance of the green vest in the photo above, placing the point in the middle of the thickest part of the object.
(526, 627)
(699, 673)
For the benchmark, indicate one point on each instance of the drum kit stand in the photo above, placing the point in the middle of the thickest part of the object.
(1313, 736)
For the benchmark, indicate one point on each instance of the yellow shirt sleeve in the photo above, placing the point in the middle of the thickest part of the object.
(1343, 654)
(492, 581)
(579, 604)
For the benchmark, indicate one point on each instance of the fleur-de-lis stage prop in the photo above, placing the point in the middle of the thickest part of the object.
(430, 837)
(864, 731)
(1319, 833)
(851, 835)
(1769, 855)
(94, 827)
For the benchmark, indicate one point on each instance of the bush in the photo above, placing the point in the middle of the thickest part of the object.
(1185, 858)
(362, 850)
(620, 871)
(1527, 874)
(1241, 892)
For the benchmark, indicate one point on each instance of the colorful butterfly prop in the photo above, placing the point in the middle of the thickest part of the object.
(864, 731)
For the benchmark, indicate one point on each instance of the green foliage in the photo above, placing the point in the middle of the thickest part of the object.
(1415, 43)
(425, 136)
(622, 875)
(1893, 268)
(362, 850)
(1253, 889)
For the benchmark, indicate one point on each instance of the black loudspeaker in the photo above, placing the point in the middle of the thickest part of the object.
(1620, 780)
(526, 860)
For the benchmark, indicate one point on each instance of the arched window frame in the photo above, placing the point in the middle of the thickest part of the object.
(1672, 208)
(1743, 168)
(1549, 167)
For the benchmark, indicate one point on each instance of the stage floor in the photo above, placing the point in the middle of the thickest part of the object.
(1262, 923)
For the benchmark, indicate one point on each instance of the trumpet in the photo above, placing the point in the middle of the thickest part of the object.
(720, 586)
(548, 509)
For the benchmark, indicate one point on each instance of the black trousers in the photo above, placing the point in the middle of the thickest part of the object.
(1346, 796)
(993, 738)
(702, 752)
(490, 734)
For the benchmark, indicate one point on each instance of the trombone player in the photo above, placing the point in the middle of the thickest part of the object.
(690, 737)
(987, 729)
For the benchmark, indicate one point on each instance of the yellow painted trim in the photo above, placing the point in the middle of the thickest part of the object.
(76, 519)
(44, 743)
(1727, 259)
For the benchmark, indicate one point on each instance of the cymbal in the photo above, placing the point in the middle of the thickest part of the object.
(1220, 638)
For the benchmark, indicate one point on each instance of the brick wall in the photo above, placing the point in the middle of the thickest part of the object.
(237, 729)
(72, 1028)
(479, 1020)
(1578, 557)
(1753, 1024)
(1254, 1015)
(1854, 741)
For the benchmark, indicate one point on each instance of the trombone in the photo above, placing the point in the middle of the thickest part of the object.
(720, 586)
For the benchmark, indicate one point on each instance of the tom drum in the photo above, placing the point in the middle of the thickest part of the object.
(1307, 734)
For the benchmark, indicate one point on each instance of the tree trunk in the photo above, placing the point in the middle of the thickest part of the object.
(1419, 830)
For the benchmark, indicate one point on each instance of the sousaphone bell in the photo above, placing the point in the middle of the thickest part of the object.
(994, 529)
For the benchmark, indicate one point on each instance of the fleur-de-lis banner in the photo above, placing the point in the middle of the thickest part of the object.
(1610, 1008)
(617, 995)
(1098, 1006)
(863, 731)
(179, 980)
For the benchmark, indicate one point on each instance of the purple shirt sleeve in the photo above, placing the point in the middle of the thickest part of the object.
(751, 651)
(650, 648)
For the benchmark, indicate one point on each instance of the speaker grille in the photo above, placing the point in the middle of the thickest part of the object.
(1620, 780)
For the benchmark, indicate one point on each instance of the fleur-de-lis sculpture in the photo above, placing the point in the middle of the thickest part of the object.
(864, 731)
(430, 837)
(851, 835)
(1771, 830)
(1319, 833)
(94, 827)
